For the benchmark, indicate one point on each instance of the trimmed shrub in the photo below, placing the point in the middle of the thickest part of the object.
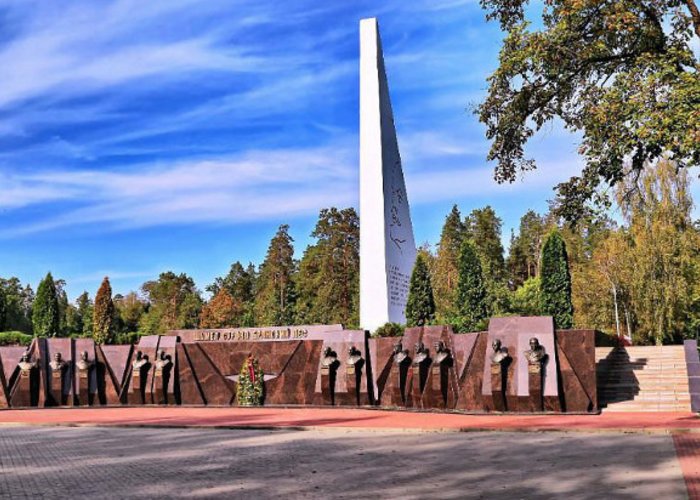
(15, 338)
(389, 330)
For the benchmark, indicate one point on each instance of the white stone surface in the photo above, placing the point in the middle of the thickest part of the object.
(387, 246)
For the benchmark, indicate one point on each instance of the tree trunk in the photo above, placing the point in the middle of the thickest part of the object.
(695, 15)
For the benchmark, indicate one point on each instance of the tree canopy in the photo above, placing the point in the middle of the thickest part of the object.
(622, 74)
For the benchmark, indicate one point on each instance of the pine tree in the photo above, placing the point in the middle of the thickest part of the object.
(274, 301)
(420, 307)
(471, 301)
(103, 323)
(445, 270)
(483, 227)
(173, 303)
(45, 313)
(328, 278)
(555, 281)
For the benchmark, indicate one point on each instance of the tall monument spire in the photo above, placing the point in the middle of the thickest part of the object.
(387, 247)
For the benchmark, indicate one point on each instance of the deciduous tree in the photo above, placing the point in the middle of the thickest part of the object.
(622, 74)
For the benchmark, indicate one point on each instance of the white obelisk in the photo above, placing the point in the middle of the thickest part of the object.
(387, 247)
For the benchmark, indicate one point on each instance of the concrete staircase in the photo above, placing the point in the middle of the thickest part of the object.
(642, 378)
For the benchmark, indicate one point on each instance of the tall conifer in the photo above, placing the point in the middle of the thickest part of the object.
(274, 301)
(471, 301)
(556, 281)
(420, 308)
(103, 327)
(445, 269)
(45, 311)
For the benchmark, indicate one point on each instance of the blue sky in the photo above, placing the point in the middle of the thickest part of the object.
(138, 137)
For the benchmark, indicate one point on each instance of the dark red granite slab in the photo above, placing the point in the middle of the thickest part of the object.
(118, 359)
(471, 380)
(578, 370)
(4, 394)
(188, 386)
(214, 386)
(10, 356)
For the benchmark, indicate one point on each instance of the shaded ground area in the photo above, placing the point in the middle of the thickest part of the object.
(351, 418)
(174, 463)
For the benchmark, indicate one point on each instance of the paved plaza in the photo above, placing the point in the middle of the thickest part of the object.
(109, 462)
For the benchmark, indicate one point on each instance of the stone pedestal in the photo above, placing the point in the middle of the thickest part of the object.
(137, 394)
(420, 378)
(56, 383)
(83, 390)
(498, 387)
(161, 383)
(328, 374)
(535, 402)
(396, 394)
(22, 395)
(353, 372)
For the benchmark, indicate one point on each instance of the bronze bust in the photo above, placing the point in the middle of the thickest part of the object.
(421, 353)
(84, 363)
(354, 356)
(400, 354)
(163, 362)
(26, 364)
(500, 354)
(139, 362)
(329, 357)
(442, 353)
(536, 355)
(57, 365)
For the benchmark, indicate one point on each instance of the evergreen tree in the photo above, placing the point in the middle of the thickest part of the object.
(555, 281)
(274, 301)
(45, 312)
(420, 307)
(103, 321)
(445, 274)
(173, 303)
(471, 301)
(483, 227)
(328, 279)
(524, 252)
(85, 313)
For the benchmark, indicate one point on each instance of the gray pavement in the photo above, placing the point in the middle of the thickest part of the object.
(59, 462)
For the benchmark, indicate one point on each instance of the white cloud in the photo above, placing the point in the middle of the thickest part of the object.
(256, 185)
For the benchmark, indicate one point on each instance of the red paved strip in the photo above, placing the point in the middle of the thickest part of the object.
(688, 451)
(356, 418)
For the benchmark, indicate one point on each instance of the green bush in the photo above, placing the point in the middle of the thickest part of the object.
(126, 338)
(15, 338)
(389, 330)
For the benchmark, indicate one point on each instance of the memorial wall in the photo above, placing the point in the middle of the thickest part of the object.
(519, 365)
